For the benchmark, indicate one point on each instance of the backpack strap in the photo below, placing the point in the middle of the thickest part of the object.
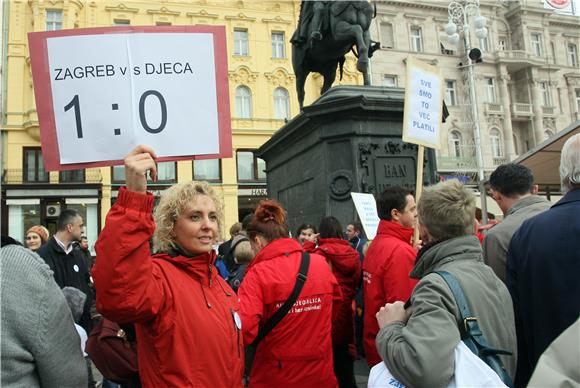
(470, 322)
(283, 310)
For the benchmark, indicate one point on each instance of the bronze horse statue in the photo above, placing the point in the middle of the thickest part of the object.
(321, 46)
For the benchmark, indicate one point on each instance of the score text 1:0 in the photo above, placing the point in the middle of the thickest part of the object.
(75, 104)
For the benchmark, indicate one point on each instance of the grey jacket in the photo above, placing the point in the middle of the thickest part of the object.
(40, 345)
(421, 353)
(497, 240)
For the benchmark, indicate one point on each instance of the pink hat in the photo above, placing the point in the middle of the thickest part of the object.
(41, 231)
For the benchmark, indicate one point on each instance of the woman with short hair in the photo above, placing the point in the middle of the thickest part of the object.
(185, 315)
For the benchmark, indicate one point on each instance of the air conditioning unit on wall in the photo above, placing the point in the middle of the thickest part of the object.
(52, 210)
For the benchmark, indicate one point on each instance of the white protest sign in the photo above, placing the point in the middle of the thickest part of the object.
(161, 87)
(423, 104)
(366, 207)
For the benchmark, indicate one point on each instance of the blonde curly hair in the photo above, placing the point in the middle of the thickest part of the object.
(175, 200)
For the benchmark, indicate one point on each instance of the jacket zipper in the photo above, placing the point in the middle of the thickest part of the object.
(210, 273)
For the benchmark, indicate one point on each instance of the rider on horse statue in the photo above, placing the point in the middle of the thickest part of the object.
(313, 21)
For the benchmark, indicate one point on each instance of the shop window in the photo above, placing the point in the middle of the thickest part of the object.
(250, 168)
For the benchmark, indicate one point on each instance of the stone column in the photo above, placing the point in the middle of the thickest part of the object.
(538, 119)
(572, 83)
(507, 116)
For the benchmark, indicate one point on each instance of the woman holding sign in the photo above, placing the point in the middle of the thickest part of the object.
(185, 315)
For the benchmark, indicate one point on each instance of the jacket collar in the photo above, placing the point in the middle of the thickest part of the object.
(396, 230)
(276, 248)
(525, 202)
(570, 196)
(200, 266)
(458, 248)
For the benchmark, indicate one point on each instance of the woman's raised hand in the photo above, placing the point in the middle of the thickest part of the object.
(137, 163)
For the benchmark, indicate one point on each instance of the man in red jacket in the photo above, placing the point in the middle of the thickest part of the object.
(388, 261)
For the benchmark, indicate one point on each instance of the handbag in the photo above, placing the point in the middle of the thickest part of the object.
(278, 315)
(472, 335)
(113, 353)
(470, 371)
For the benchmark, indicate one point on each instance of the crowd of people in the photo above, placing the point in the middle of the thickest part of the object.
(297, 311)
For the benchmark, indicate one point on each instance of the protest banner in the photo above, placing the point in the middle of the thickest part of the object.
(366, 207)
(423, 112)
(102, 91)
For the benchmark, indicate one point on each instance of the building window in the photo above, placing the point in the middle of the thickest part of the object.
(546, 95)
(553, 49)
(390, 80)
(496, 144)
(446, 51)
(416, 40)
(166, 172)
(278, 48)
(281, 104)
(572, 55)
(502, 43)
(490, 90)
(455, 144)
(121, 22)
(243, 102)
(118, 174)
(450, 93)
(207, 170)
(162, 23)
(387, 40)
(537, 43)
(577, 100)
(241, 42)
(34, 165)
(484, 44)
(250, 168)
(72, 176)
(53, 20)
(516, 145)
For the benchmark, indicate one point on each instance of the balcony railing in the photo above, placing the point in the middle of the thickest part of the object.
(519, 55)
(18, 176)
(499, 160)
(520, 109)
(493, 108)
(549, 110)
(456, 163)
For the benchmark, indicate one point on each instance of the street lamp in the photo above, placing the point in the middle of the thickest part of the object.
(459, 18)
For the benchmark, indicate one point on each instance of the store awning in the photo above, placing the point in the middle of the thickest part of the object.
(544, 159)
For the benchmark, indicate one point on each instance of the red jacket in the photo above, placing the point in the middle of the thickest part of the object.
(346, 267)
(298, 351)
(182, 309)
(386, 270)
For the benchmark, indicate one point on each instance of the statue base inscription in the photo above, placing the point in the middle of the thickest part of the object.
(348, 140)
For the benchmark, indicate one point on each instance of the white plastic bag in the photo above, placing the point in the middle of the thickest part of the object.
(470, 371)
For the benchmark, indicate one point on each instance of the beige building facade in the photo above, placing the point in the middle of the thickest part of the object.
(262, 97)
(527, 85)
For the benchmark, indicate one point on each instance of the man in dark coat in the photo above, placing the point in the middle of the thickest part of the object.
(543, 264)
(66, 262)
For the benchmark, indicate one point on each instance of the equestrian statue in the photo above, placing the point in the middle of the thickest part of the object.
(326, 32)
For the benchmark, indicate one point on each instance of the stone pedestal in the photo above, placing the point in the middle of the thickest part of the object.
(348, 140)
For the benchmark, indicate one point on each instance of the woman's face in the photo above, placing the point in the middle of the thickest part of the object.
(197, 226)
(33, 241)
(305, 234)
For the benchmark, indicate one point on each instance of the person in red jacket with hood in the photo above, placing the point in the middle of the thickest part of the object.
(298, 351)
(388, 262)
(186, 316)
(346, 267)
